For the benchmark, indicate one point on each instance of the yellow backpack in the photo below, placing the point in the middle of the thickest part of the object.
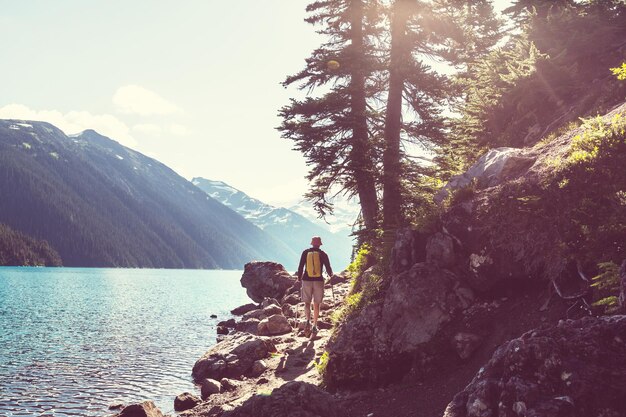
(313, 264)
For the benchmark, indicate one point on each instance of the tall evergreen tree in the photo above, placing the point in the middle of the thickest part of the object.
(332, 130)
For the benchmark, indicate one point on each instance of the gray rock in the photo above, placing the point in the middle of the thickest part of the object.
(577, 368)
(417, 304)
(144, 409)
(466, 344)
(241, 310)
(372, 348)
(254, 314)
(258, 367)
(248, 326)
(270, 310)
(230, 323)
(232, 357)
(440, 250)
(268, 302)
(294, 399)
(266, 279)
(339, 278)
(229, 384)
(209, 387)
(185, 401)
(291, 299)
(289, 311)
(494, 167)
(409, 248)
(274, 325)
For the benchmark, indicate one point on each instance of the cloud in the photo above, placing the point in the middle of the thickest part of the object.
(134, 99)
(73, 121)
(179, 130)
(147, 129)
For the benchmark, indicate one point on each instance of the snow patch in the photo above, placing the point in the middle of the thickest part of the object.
(121, 158)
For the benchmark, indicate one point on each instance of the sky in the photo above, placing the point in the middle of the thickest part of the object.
(192, 83)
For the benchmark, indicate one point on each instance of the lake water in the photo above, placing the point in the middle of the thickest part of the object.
(73, 341)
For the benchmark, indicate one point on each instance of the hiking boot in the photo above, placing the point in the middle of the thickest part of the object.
(313, 332)
(307, 329)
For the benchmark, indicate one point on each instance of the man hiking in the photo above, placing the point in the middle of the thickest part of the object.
(310, 272)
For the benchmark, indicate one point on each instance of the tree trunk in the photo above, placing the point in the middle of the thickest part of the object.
(392, 195)
(361, 153)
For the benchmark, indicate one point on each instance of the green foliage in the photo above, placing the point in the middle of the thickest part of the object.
(577, 211)
(607, 286)
(596, 136)
(322, 363)
(361, 260)
(620, 72)
(550, 72)
(365, 289)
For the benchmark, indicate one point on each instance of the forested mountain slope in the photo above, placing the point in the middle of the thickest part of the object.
(17, 249)
(101, 204)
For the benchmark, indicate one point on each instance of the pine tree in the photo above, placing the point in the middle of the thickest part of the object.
(332, 130)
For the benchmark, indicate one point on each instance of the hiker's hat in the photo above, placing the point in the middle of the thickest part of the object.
(316, 241)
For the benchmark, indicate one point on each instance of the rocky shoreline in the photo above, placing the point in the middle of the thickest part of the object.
(263, 366)
(262, 352)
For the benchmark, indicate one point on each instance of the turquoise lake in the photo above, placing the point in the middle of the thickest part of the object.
(74, 341)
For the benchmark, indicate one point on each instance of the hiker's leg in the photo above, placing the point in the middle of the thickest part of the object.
(316, 313)
(307, 312)
(318, 297)
(307, 297)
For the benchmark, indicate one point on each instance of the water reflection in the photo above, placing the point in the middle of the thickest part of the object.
(74, 341)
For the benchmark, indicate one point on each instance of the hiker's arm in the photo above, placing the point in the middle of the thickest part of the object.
(301, 266)
(326, 262)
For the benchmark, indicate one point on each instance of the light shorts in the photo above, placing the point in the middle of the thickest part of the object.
(313, 290)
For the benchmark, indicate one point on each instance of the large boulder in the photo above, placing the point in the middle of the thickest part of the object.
(380, 343)
(417, 304)
(232, 357)
(274, 325)
(144, 409)
(494, 167)
(266, 279)
(574, 369)
(294, 399)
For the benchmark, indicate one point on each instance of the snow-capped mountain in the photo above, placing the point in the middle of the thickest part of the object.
(293, 228)
(344, 215)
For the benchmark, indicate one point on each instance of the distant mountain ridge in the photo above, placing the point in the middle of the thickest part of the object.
(100, 204)
(292, 228)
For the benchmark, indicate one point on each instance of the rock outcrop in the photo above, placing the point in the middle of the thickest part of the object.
(266, 280)
(494, 167)
(294, 399)
(383, 341)
(574, 369)
(231, 358)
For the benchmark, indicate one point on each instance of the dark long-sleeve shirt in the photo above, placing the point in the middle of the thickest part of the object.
(325, 263)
